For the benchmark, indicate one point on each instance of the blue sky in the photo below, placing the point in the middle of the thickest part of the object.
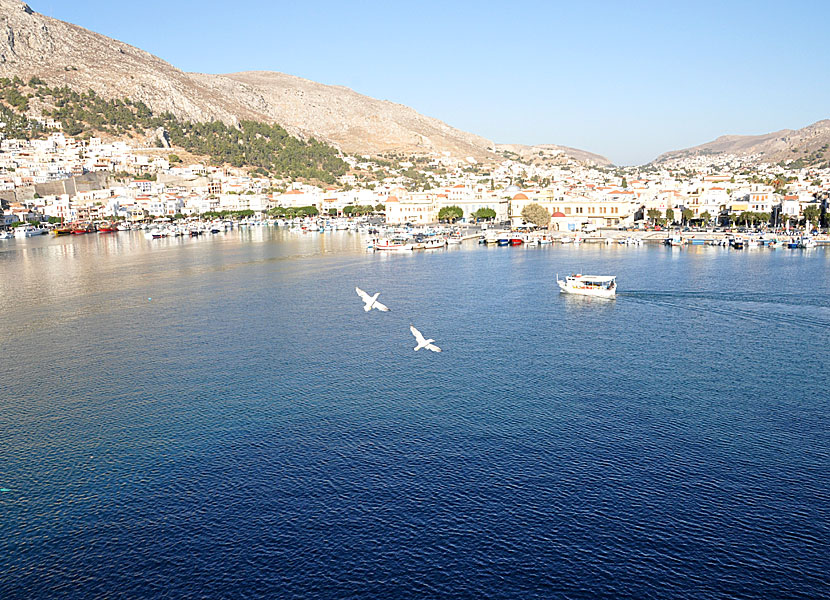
(628, 80)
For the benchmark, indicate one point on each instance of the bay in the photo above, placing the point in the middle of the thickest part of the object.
(218, 417)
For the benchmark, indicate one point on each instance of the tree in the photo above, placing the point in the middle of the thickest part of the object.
(670, 215)
(536, 214)
(380, 207)
(812, 213)
(485, 214)
(624, 183)
(687, 214)
(706, 216)
(332, 212)
(450, 213)
(173, 159)
(653, 214)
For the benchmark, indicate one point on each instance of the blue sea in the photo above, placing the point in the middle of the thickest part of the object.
(217, 417)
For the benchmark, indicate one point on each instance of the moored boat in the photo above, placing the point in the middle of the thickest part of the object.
(394, 245)
(600, 286)
(806, 242)
(25, 231)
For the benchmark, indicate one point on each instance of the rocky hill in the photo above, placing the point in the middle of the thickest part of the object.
(809, 146)
(547, 153)
(61, 54)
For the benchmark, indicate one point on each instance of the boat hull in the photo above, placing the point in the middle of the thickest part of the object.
(595, 293)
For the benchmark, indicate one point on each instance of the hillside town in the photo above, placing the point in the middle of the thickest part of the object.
(62, 179)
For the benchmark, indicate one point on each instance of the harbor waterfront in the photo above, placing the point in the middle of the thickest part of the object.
(217, 416)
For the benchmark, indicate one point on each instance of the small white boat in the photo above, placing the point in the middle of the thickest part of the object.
(807, 242)
(6, 235)
(393, 246)
(453, 240)
(25, 231)
(601, 286)
(434, 243)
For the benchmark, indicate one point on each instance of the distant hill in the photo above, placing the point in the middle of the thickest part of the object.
(549, 152)
(810, 146)
(62, 54)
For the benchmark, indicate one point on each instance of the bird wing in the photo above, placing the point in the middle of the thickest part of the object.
(363, 295)
(380, 306)
(433, 347)
(418, 337)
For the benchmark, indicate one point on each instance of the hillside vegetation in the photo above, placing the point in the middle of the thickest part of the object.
(268, 149)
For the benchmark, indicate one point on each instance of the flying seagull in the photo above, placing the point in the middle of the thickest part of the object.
(371, 301)
(423, 343)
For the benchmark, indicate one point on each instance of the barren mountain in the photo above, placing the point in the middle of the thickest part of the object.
(64, 54)
(546, 152)
(810, 143)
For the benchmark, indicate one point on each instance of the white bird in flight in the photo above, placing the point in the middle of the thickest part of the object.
(371, 301)
(423, 343)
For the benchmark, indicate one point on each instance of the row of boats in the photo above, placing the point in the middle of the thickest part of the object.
(740, 243)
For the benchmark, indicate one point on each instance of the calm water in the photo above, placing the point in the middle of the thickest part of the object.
(218, 417)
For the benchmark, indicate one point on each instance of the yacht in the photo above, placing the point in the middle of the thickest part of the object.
(601, 286)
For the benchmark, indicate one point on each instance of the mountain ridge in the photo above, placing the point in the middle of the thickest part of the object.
(776, 146)
(62, 53)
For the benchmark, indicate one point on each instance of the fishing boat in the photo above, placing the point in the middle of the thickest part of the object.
(25, 231)
(107, 228)
(600, 286)
(394, 245)
(516, 241)
(434, 243)
(61, 231)
(738, 244)
(503, 241)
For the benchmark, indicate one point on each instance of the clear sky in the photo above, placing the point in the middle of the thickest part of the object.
(625, 79)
